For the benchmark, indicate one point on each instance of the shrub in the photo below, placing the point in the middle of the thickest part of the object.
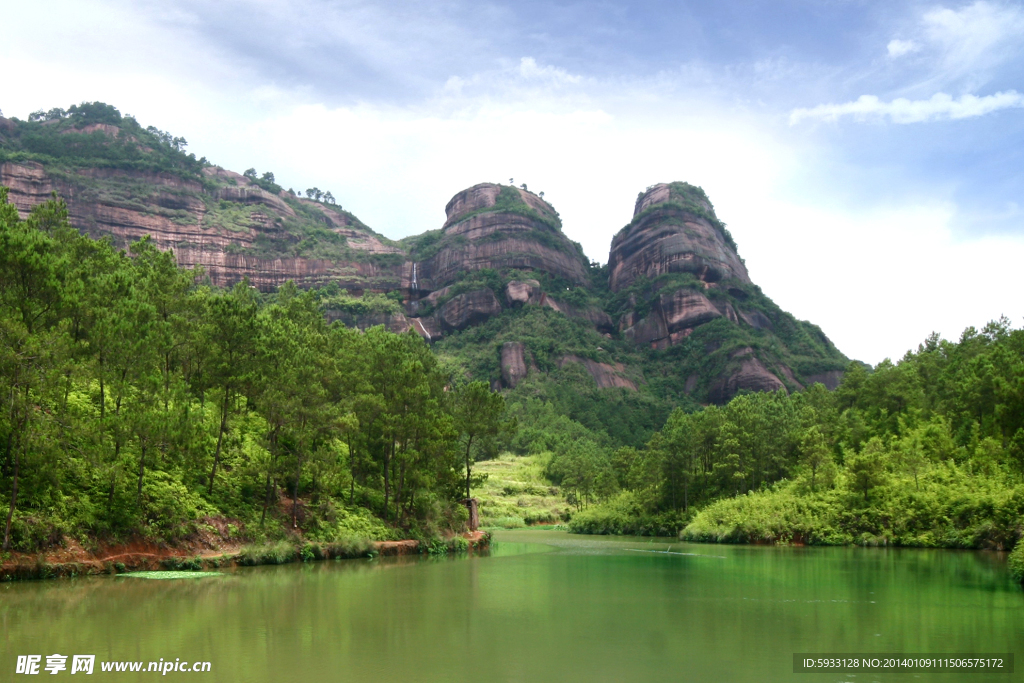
(349, 547)
(277, 553)
(1016, 562)
(191, 564)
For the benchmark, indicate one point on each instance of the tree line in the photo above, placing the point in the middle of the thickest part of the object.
(137, 399)
(925, 451)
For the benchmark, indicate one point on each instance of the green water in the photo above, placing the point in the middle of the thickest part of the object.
(544, 606)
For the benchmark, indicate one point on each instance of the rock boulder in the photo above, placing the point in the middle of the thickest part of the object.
(513, 363)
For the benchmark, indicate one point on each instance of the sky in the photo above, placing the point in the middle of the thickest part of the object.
(868, 157)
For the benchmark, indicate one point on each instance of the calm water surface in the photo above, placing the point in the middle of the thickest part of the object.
(543, 606)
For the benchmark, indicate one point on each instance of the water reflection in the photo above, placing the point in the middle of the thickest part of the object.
(539, 606)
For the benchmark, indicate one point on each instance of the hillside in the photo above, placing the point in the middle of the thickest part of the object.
(501, 292)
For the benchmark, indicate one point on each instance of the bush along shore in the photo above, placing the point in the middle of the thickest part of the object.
(924, 452)
(141, 556)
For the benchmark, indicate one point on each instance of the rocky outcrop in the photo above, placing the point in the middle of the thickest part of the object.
(471, 308)
(746, 372)
(756, 319)
(830, 379)
(220, 228)
(683, 308)
(672, 318)
(520, 293)
(481, 233)
(672, 231)
(513, 363)
(429, 328)
(605, 375)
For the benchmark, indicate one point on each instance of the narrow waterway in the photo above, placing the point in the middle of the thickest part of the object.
(542, 606)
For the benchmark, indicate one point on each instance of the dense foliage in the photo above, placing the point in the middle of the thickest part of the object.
(137, 402)
(928, 451)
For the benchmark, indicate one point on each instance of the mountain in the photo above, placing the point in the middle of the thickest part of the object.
(501, 292)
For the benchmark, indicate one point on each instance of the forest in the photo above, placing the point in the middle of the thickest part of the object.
(138, 400)
(927, 451)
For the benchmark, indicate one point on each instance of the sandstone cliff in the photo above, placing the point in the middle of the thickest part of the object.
(118, 183)
(496, 227)
(674, 230)
(679, 281)
(675, 304)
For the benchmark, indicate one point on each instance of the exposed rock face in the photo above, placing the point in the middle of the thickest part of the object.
(525, 292)
(684, 308)
(672, 318)
(234, 228)
(665, 237)
(479, 234)
(756, 319)
(792, 383)
(748, 372)
(830, 379)
(513, 363)
(210, 228)
(595, 316)
(467, 309)
(429, 328)
(605, 375)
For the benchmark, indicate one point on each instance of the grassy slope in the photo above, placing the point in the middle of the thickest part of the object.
(517, 494)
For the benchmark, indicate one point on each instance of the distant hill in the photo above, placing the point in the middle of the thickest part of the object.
(501, 292)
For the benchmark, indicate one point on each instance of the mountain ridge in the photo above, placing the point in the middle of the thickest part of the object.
(673, 314)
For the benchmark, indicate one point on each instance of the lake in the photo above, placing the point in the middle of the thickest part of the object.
(542, 606)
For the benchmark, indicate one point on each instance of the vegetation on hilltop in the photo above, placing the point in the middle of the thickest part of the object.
(547, 230)
(73, 144)
(686, 198)
(58, 138)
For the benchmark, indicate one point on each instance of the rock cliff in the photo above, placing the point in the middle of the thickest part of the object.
(679, 281)
(232, 230)
(496, 227)
(674, 230)
(675, 303)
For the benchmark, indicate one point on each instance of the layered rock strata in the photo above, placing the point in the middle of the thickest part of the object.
(216, 227)
(672, 231)
(481, 233)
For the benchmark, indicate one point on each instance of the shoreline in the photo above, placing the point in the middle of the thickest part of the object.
(147, 556)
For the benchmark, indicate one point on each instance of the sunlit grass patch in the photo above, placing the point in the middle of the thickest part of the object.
(516, 493)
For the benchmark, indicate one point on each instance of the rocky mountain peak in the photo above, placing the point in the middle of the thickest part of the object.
(680, 193)
(674, 230)
(494, 198)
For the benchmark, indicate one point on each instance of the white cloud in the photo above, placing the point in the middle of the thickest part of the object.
(529, 69)
(898, 48)
(902, 110)
(876, 279)
(976, 37)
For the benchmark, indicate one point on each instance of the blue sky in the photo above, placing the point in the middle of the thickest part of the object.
(867, 156)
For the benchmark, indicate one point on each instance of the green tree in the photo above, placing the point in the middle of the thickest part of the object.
(867, 469)
(478, 416)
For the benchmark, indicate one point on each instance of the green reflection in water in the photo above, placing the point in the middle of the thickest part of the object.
(543, 606)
